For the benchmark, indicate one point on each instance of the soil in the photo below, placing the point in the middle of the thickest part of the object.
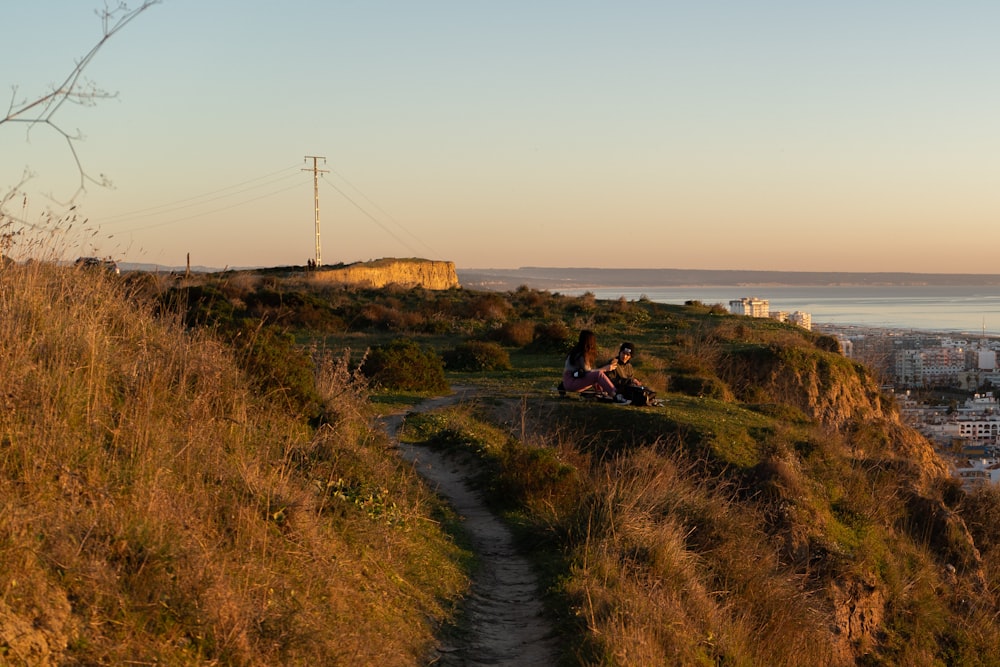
(502, 620)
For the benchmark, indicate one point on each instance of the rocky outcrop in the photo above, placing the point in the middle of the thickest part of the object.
(429, 274)
(859, 612)
(824, 385)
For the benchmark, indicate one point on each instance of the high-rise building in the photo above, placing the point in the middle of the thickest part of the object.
(750, 306)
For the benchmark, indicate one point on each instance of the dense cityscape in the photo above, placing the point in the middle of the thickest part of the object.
(944, 386)
(943, 382)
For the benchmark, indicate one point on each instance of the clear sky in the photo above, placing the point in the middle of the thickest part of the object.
(718, 134)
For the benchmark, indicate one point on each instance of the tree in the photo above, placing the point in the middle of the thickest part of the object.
(75, 89)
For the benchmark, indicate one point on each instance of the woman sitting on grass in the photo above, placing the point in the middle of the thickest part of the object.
(579, 372)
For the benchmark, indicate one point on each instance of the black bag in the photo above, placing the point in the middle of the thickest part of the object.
(639, 395)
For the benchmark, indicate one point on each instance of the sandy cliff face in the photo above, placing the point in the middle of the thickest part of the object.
(429, 274)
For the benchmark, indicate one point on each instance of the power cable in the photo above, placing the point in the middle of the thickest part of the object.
(183, 203)
(217, 210)
(373, 218)
(383, 212)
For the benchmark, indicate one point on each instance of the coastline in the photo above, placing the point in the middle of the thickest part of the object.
(964, 310)
(555, 278)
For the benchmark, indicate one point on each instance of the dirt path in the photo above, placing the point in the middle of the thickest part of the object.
(503, 619)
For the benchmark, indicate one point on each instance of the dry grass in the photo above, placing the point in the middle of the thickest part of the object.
(672, 572)
(660, 564)
(154, 509)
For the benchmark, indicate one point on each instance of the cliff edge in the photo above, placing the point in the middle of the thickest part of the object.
(429, 274)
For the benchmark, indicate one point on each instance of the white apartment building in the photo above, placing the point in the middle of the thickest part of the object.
(804, 320)
(846, 344)
(985, 403)
(929, 366)
(749, 306)
(979, 430)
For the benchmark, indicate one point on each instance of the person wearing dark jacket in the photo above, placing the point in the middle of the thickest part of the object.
(622, 375)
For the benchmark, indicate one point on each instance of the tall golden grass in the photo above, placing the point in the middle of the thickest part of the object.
(655, 587)
(154, 509)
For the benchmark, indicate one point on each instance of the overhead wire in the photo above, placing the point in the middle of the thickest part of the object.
(217, 210)
(372, 217)
(214, 195)
(383, 212)
(283, 174)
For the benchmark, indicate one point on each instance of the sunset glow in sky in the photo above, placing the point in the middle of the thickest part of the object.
(777, 135)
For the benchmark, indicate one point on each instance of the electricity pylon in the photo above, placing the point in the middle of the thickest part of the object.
(316, 172)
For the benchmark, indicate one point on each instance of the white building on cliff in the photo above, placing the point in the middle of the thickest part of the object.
(750, 306)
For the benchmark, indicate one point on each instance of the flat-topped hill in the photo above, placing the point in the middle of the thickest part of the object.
(426, 273)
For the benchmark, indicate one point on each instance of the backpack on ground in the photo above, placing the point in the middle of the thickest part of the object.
(639, 395)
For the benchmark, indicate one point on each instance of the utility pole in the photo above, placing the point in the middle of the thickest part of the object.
(316, 172)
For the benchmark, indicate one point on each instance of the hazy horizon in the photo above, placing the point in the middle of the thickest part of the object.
(771, 135)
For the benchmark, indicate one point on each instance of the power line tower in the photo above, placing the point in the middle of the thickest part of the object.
(316, 172)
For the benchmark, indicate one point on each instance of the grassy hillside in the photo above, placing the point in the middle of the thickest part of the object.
(166, 501)
(210, 486)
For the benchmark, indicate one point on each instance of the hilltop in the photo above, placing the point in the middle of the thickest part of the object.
(405, 272)
(193, 471)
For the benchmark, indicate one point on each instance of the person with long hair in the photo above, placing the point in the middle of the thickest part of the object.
(579, 372)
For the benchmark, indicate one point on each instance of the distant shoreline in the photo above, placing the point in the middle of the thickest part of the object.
(553, 278)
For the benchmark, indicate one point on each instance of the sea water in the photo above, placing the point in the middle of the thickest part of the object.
(961, 309)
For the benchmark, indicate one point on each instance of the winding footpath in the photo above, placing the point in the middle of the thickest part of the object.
(503, 615)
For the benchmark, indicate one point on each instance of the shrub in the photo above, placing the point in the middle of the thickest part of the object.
(477, 356)
(279, 368)
(551, 335)
(585, 303)
(404, 365)
(532, 301)
(701, 386)
(201, 305)
(380, 316)
(293, 308)
(518, 333)
(829, 344)
(696, 306)
(488, 307)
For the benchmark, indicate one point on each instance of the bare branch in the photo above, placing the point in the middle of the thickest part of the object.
(75, 89)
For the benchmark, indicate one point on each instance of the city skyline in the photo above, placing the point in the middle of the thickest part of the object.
(773, 136)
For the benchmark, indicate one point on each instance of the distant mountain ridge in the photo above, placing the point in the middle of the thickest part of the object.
(554, 278)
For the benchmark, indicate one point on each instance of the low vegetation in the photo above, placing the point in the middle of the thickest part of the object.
(192, 472)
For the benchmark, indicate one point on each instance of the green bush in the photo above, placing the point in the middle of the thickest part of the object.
(404, 365)
(201, 305)
(280, 369)
(486, 307)
(517, 333)
(707, 387)
(552, 336)
(477, 356)
(532, 301)
(829, 344)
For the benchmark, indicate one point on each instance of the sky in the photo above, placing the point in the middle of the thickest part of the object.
(719, 134)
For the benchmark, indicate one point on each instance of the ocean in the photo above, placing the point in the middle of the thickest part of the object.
(945, 308)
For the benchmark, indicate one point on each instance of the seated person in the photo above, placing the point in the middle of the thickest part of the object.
(579, 372)
(622, 374)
